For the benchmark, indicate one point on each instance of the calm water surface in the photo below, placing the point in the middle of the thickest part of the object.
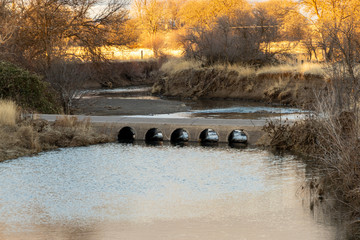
(116, 191)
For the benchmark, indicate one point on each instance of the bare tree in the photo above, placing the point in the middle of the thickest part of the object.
(67, 78)
(7, 26)
(49, 27)
(229, 40)
(151, 19)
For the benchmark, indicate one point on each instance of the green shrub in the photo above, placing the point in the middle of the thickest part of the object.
(26, 89)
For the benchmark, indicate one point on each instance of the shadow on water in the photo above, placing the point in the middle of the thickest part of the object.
(324, 208)
(180, 144)
(238, 145)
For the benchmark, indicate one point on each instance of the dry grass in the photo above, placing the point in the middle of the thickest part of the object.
(73, 122)
(305, 69)
(243, 71)
(178, 64)
(31, 136)
(313, 69)
(127, 54)
(281, 84)
(8, 113)
(331, 138)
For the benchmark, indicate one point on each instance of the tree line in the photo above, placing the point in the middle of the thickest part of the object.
(41, 31)
(37, 34)
(235, 30)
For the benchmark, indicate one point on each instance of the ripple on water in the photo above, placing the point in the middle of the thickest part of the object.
(138, 184)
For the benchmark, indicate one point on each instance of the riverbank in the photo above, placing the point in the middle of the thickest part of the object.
(331, 143)
(26, 137)
(284, 84)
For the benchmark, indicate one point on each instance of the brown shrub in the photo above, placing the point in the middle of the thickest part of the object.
(49, 138)
(333, 143)
(28, 138)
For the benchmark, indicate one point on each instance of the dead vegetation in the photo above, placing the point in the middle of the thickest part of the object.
(8, 113)
(285, 84)
(331, 138)
(30, 136)
(333, 144)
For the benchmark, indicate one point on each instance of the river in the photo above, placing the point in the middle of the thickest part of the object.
(138, 101)
(117, 191)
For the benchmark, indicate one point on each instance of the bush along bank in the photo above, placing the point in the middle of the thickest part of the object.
(333, 144)
(27, 89)
(279, 84)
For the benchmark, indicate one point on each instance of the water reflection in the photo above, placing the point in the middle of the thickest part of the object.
(124, 191)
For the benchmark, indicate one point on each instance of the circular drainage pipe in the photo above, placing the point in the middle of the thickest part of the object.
(154, 135)
(238, 136)
(209, 136)
(126, 135)
(179, 136)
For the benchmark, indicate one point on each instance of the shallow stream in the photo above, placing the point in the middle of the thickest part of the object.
(203, 108)
(116, 191)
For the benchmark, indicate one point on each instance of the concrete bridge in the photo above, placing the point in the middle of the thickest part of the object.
(193, 126)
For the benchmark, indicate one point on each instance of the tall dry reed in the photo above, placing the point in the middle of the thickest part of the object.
(8, 112)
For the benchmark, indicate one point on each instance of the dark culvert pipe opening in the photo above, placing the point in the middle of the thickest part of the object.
(154, 135)
(126, 135)
(179, 137)
(238, 138)
(209, 137)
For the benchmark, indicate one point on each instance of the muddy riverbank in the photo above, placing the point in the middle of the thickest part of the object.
(291, 87)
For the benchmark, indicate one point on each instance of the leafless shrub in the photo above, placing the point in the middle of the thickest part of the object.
(67, 78)
(28, 138)
(224, 43)
(330, 136)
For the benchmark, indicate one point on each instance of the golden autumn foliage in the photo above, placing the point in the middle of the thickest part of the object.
(319, 25)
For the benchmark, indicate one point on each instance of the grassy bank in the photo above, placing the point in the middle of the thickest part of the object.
(23, 137)
(332, 143)
(285, 84)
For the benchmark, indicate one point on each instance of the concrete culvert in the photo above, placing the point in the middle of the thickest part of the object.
(209, 136)
(238, 136)
(179, 136)
(154, 135)
(126, 135)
